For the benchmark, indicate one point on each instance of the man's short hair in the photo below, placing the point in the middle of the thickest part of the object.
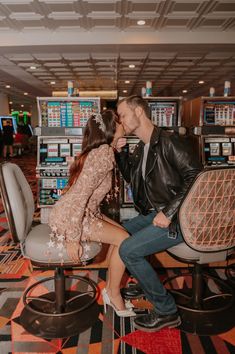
(136, 101)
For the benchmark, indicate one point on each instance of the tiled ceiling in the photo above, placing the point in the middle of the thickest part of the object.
(93, 42)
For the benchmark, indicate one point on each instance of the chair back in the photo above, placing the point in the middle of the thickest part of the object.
(207, 213)
(17, 199)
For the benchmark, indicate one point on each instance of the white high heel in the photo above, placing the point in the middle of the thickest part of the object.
(128, 304)
(121, 313)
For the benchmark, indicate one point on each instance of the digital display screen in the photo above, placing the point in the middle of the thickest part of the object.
(8, 120)
(219, 113)
(59, 151)
(164, 114)
(61, 113)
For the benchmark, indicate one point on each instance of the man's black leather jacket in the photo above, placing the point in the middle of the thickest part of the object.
(171, 167)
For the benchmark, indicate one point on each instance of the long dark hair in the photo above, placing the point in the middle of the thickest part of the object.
(93, 137)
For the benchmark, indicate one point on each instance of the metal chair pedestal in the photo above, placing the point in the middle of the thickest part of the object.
(206, 308)
(60, 313)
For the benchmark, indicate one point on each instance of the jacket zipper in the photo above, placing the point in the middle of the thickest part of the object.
(145, 185)
(148, 196)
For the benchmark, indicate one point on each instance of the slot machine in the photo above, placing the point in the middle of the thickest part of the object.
(213, 119)
(59, 141)
(23, 119)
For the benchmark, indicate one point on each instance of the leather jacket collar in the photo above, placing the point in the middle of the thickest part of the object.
(155, 136)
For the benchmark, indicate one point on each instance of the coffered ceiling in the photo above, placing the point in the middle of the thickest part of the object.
(93, 42)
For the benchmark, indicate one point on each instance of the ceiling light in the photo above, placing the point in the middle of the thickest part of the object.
(184, 91)
(201, 82)
(52, 82)
(127, 82)
(8, 86)
(10, 102)
(33, 67)
(26, 93)
(141, 22)
(124, 91)
(21, 105)
(131, 66)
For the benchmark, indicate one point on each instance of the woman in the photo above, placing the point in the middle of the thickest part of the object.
(76, 216)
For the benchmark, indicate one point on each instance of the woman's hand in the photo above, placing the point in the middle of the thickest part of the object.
(74, 251)
(119, 134)
(120, 143)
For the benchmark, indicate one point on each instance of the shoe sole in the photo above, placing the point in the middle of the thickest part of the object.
(169, 325)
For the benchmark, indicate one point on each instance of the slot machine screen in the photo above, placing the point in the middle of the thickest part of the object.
(4, 120)
(164, 113)
(219, 113)
(57, 151)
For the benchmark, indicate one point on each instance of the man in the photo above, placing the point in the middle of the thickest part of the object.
(8, 138)
(160, 172)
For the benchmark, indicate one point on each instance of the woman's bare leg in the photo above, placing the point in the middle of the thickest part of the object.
(111, 221)
(113, 234)
(110, 250)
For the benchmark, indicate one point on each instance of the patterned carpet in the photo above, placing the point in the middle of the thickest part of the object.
(110, 334)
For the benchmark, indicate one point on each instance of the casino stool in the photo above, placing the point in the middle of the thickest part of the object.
(58, 313)
(207, 222)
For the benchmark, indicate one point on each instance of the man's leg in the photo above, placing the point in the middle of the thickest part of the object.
(133, 290)
(133, 251)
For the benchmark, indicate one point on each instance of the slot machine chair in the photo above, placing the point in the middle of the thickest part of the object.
(58, 313)
(207, 222)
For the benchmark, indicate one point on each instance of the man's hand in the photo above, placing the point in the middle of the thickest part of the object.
(74, 251)
(161, 220)
(120, 143)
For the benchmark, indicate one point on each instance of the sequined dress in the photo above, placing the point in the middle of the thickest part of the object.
(72, 216)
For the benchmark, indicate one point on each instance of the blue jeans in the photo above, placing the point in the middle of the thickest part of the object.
(148, 239)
